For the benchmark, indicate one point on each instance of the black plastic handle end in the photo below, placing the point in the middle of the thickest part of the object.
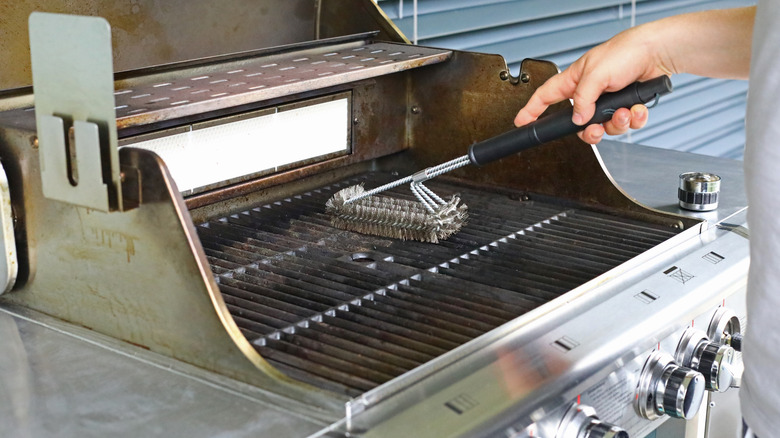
(649, 90)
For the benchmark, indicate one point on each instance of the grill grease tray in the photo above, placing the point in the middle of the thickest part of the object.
(348, 312)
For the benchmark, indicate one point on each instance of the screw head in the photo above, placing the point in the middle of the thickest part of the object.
(525, 77)
(415, 109)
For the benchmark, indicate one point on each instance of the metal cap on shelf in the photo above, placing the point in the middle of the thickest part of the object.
(699, 191)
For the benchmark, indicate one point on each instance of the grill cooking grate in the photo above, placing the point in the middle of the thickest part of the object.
(348, 312)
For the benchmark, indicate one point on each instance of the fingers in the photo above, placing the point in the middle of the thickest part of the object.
(619, 123)
(623, 120)
(556, 89)
(565, 85)
(639, 116)
(592, 134)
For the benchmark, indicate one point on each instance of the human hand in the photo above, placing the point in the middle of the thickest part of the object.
(623, 120)
(611, 66)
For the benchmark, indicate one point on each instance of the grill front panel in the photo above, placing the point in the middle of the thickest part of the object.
(348, 312)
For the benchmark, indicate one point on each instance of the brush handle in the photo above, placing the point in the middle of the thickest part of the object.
(559, 124)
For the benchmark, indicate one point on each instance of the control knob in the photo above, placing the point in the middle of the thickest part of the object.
(667, 388)
(580, 421)
(725, 328)
(715, 364)
(734, 340)
(713, 360)
(598, 429)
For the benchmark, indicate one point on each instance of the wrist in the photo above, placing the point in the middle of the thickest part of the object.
(657, 46)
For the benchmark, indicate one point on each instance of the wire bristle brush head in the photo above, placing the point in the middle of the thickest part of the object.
(395, 218)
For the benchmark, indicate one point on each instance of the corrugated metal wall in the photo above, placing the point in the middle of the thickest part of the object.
(703, 115)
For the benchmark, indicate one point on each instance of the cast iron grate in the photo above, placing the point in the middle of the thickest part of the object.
(348, 312)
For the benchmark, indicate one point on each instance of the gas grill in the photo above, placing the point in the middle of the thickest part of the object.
(189, 203)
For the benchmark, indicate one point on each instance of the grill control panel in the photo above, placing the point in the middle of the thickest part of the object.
(673, 380)
(658, 385)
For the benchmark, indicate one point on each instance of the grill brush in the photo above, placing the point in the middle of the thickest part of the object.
(432, 218)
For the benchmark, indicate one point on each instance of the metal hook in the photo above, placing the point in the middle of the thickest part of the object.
(655, 102)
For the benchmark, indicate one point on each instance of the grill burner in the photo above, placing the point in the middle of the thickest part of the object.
(348, 312)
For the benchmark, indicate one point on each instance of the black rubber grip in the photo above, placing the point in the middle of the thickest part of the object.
(559, 125)
(736, 341)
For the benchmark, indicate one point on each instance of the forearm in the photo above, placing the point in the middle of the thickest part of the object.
(709, 43)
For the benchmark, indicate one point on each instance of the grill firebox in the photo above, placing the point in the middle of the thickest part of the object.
(348, 312)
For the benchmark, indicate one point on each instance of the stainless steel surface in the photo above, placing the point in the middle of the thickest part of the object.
(655, 182)
(160, 294)
(65, 381)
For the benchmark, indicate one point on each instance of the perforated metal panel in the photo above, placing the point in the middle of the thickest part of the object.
(702, 115)
(236, 83)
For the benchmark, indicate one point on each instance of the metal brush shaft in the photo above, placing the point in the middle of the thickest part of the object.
(423, 175)
(546, 129)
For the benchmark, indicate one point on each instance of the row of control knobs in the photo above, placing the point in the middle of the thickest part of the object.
(673, 385)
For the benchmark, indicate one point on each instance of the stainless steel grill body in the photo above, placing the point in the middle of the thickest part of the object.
(245, 276)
